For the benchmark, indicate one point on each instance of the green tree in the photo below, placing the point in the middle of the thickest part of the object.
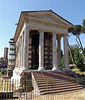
(83, 27)
(84, 52)
(78, 57)
(77, 30)
(72, 49)
(79, 60)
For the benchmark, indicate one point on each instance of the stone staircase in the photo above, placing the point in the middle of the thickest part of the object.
(54, 82)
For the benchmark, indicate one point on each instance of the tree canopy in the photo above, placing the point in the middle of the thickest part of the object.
(77, 29)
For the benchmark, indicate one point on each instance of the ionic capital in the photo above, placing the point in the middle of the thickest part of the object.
(27, 26)
(54, 33)
(42, 30)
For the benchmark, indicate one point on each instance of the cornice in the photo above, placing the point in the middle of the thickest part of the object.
(19, 27)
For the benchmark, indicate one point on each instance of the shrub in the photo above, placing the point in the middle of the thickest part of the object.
(80, 65)
(3, 71)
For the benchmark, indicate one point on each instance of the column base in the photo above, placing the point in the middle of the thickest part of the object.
(54, 68)
(41, 68)
(60, 68)
(24, 68)
(68, 69)
(19, 74)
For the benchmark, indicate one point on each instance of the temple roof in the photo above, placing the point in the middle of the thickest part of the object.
(46, 17)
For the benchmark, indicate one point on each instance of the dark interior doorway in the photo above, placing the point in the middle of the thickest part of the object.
(35, 52)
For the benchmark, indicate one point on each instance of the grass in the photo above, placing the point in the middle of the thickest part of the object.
(78, 71)
(75, 69)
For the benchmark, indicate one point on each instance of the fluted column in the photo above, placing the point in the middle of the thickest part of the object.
(19, 54)
(21, 50)
(16, 62)
(54, 51)
(41, 51)
(66, 57)
(59, 52)
(26, 48)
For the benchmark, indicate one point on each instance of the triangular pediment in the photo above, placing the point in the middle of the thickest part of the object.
(46, 19)
(49, 19)
(49, 16)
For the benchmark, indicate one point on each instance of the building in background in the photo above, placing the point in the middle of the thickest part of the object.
(5, 54)
(11, 60)
(4, 59)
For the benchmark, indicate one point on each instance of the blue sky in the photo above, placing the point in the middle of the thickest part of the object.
(71, 10)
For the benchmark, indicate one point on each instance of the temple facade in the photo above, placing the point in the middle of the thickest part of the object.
(38, 42)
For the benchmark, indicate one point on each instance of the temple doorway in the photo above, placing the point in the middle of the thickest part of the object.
(35, 52)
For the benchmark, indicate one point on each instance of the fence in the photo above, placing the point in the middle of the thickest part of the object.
(12, 90)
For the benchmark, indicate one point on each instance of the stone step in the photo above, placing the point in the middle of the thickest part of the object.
(55, 82)
(56, 85)
(53, 75)
(50, 77)
(57, 72)
(53, 79)
(58, 88)
(60, 91)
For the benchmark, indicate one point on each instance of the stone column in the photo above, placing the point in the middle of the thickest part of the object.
(19, 54)
(66, 57)
(54, 51)
(26, 48)
(21, 50)
(41, 51)
(59, 52)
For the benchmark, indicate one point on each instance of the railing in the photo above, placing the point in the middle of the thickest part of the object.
(12, 90)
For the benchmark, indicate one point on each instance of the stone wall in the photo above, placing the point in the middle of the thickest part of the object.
(48, 50)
